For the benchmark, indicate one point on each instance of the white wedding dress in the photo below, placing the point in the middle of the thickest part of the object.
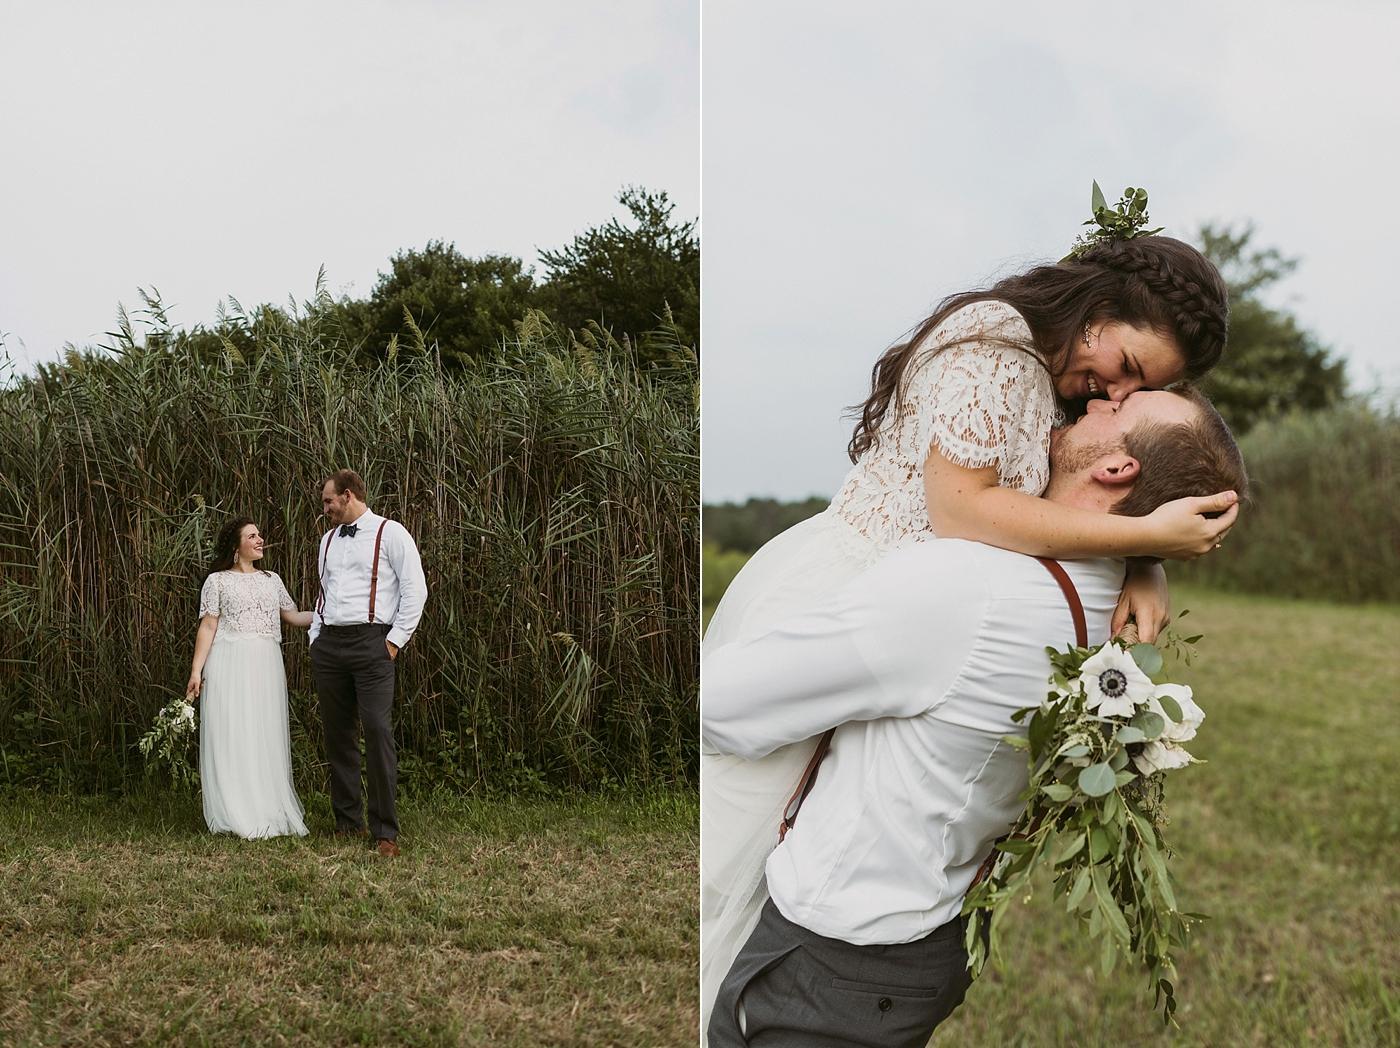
(983, 402)
(245, 753)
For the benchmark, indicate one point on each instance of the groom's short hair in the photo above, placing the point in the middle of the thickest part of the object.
(1182, 459)
(347, 480)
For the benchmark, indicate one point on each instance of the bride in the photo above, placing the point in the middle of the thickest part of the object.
(245, 756)
(954, 441)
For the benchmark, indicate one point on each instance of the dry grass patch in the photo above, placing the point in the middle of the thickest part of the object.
(514, 922)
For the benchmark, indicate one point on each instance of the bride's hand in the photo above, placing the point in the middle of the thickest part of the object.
(192, 688)
(1146, 600)
(1182, 531)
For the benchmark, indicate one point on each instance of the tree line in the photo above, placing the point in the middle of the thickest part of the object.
(636, 283)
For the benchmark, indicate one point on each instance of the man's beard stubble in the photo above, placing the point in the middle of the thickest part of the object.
(1067, 457)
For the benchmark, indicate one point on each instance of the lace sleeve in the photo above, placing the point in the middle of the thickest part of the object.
(209, 597)
(284, 599)
(982, 402)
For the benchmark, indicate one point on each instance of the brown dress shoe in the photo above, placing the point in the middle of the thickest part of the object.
(387, 848)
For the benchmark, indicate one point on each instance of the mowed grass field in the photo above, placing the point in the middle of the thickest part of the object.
(510, 922)
(1289, 838)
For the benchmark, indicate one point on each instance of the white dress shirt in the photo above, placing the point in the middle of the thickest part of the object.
(920, 660)
(345, 579)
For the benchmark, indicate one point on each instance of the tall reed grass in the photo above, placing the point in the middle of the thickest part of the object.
(553, 492)
(1323, 520)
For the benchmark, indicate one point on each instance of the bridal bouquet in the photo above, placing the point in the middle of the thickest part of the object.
(169, 738)
(1099, 747)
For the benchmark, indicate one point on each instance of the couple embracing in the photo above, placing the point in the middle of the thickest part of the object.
(907, 622)
(371, 598)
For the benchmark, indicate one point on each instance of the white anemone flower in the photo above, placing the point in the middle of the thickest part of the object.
(1159, 756)
(1191, 714)
(1113, 684)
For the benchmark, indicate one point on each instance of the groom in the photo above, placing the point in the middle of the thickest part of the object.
(372, 595)
(918, 663)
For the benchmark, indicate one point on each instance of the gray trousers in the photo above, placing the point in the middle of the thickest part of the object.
(798, 989)
(355, 686)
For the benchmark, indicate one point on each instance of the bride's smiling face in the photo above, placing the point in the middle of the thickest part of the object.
(250, 545)
(1118, 359)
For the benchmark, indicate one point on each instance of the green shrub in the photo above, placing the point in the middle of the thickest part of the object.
(717, 570)
(746, 526)
(552, 490)
(1323, 516)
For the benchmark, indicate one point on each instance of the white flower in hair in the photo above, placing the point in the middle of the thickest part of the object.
(1113, 684)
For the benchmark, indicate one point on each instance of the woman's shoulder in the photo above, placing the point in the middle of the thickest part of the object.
(990, 319)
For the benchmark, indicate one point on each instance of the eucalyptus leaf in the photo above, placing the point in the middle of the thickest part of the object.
(1147, 657)
(1098, 844)
(1119, 760)
(1057, 791)
(1096, 202)
(1112, 807)
(1128, 734)
(1150, 724)
(1072, 849)
(1075, 751)
(1171, 707)
(1108, 955)
(1015, 847)
(1112, 914)
(1081, 889)
(1097, 779)
(1123, 777)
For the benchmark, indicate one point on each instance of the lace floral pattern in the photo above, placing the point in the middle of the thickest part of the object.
(246, 603)
(983, 402)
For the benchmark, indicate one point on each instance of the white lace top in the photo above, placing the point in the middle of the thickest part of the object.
(983, 402)
(246, 603)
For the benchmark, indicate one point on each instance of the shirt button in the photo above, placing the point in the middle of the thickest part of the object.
(886, 1004)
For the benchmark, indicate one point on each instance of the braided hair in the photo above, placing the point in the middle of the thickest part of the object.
(1152, 282)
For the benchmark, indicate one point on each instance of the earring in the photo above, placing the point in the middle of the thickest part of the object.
(1086, 334)
(235, 558)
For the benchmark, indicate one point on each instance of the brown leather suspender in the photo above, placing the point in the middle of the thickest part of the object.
(804, 785)
(1076, 609)
(325, 559)
(373, 572)
(809, 777)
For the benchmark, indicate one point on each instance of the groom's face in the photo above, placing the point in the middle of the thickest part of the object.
(1104, 426)
(334, 503)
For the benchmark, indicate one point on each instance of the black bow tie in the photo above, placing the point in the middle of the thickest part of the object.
(349, 529)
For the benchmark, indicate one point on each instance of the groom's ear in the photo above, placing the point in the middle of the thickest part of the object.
(1116, 469)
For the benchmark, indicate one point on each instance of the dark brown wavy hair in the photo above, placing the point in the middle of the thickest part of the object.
(226, 544)
(1150, 282)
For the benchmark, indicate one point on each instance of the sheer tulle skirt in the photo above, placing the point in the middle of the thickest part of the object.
(742, 801)
(245, 754)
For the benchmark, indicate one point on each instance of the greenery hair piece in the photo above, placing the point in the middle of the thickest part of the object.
(1123, 221)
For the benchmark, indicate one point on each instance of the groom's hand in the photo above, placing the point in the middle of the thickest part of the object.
(393, 651)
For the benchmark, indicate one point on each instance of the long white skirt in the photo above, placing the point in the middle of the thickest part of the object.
(245, 751)
(741, 802)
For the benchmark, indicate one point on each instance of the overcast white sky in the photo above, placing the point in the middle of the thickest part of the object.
(210, 149)
(861, 161)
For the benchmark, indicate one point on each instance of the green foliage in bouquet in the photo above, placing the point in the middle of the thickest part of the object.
(1099, 748)
(169, 739)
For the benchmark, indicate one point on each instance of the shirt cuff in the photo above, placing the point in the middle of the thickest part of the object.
(398, 637)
